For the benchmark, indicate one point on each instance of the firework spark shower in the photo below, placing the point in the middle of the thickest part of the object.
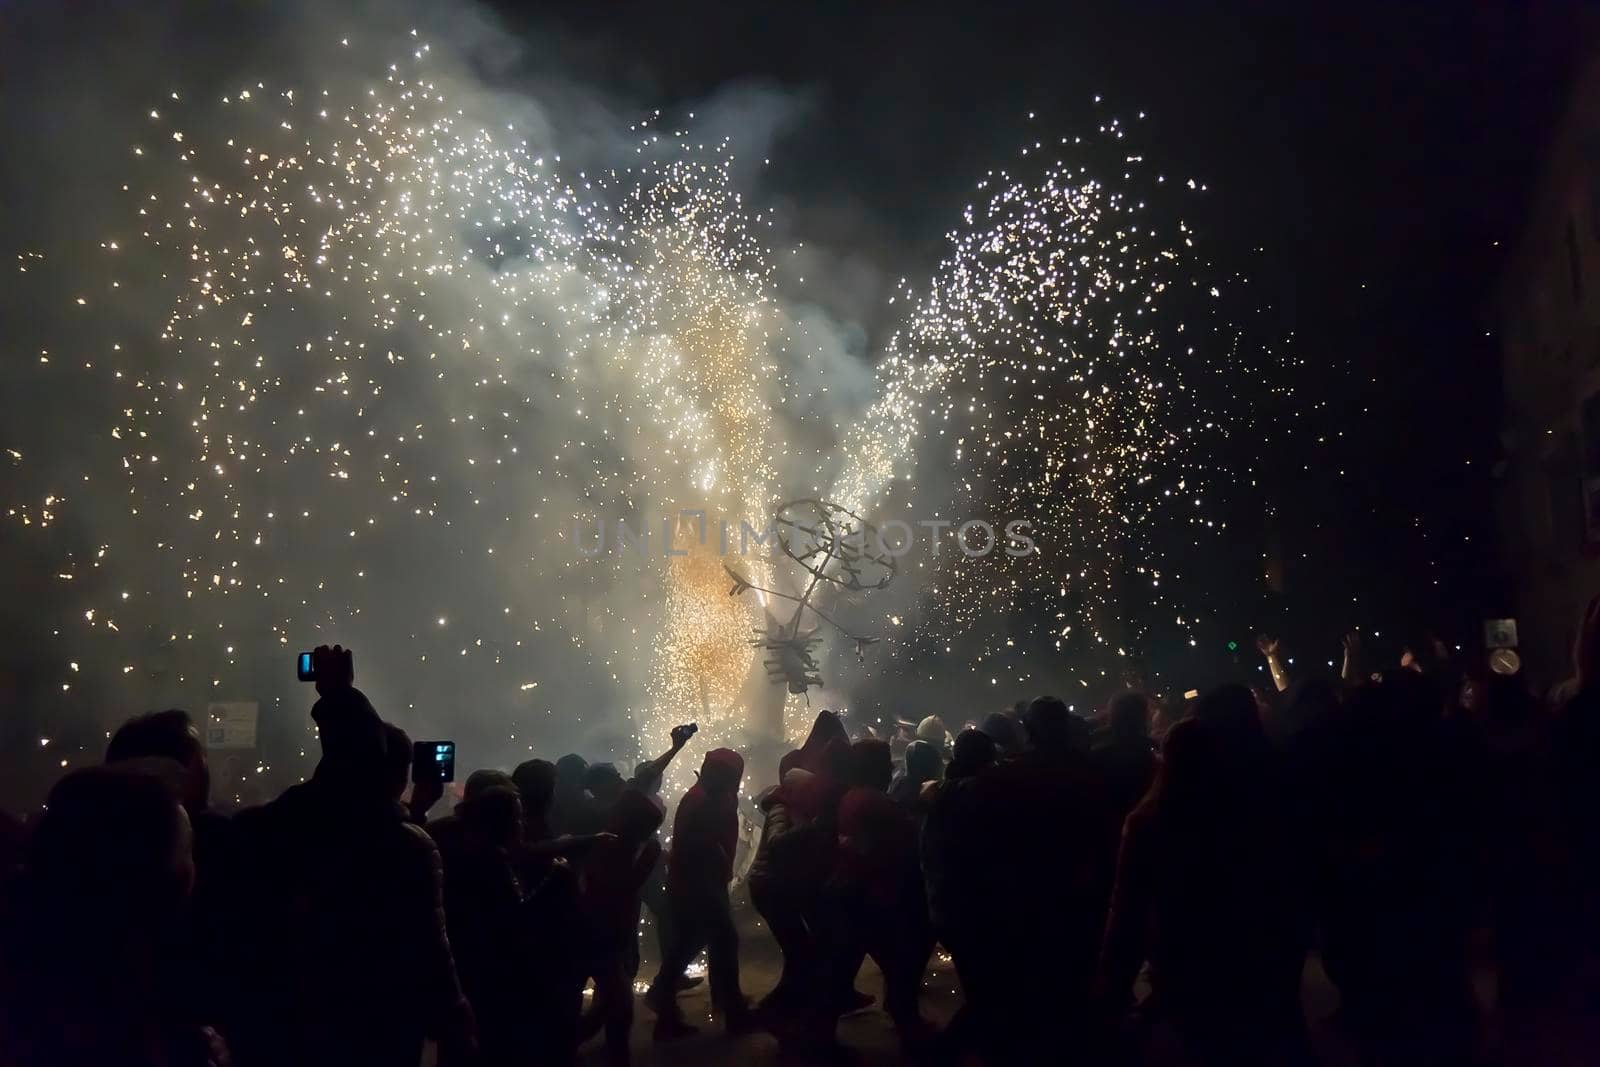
(354, 333)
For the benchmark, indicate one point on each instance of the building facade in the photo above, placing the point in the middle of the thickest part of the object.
(1547, 315)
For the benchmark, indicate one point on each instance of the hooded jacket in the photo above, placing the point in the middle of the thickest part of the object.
(705, 831)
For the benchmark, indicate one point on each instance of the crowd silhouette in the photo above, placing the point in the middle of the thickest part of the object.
(1142, 886)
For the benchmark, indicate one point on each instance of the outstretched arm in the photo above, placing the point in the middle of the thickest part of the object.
(1268, 647)
(651, 772)
(1350, 670)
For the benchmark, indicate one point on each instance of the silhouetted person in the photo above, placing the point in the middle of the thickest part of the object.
(397, 750)
(198, 958)
(349, 961)
(554, 920)
(1005, 730)
(611, 877)
(647, 779)
(1050, 833)
(783, 879)
(490, 928)
(1528, 873)
(1395, 832)
(1123, 750)
(108, 871)
(572, 811)
(1210, 890)
(952, 849)
(875, 903)
(450, 832)
(604, 784)
(924, 762)
(705, 834)
(535, 780)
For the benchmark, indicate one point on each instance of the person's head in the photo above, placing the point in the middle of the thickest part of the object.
(113, 848)
(1128, 715)
(932, 730)
(721, 771)
(924, 762)
(836, 761)
(635, 816)
(1051, 727)
(644, 776)
(604, 782)
(172, 735)
(791, 759)
(535, 780)
(396, 758)
(871, 764)
(481, 781)
(493, 814)
(802, 791)
(570, 772)
(354, 750)
(1188, 782)
(1231, 709)
(1004, 728)
(974, 750)
(825, 729)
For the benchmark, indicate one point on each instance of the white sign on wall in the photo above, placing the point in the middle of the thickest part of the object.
(231, 724)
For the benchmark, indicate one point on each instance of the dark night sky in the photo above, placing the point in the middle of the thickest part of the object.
(1374, 152)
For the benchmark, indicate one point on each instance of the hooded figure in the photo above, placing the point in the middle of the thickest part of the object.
(825, 731)
(705, 835)
(785, 878)
(923, 764)
(536, 780)
(1004, 729)
(874, 904)
(871, 764)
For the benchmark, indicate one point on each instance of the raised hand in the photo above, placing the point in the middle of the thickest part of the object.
(334, 669)
(1352, 657)
(1267, 646)
(682, 733)
(424, 795)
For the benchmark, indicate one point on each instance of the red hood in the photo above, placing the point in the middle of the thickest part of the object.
(722, 770)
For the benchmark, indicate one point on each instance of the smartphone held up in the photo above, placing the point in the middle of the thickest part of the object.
(433, 761)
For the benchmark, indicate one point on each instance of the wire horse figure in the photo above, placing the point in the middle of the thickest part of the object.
(835, 549)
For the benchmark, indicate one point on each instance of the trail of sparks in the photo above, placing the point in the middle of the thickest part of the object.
(1048, 374)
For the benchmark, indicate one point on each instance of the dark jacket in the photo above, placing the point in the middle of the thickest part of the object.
(705, 831)
(343, 952)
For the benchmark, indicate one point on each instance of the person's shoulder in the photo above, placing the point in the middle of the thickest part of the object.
(260, 817)
(443, 826)
(413, 839)
(411, 849)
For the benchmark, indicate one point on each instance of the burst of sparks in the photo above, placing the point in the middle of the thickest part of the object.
(391, 299)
